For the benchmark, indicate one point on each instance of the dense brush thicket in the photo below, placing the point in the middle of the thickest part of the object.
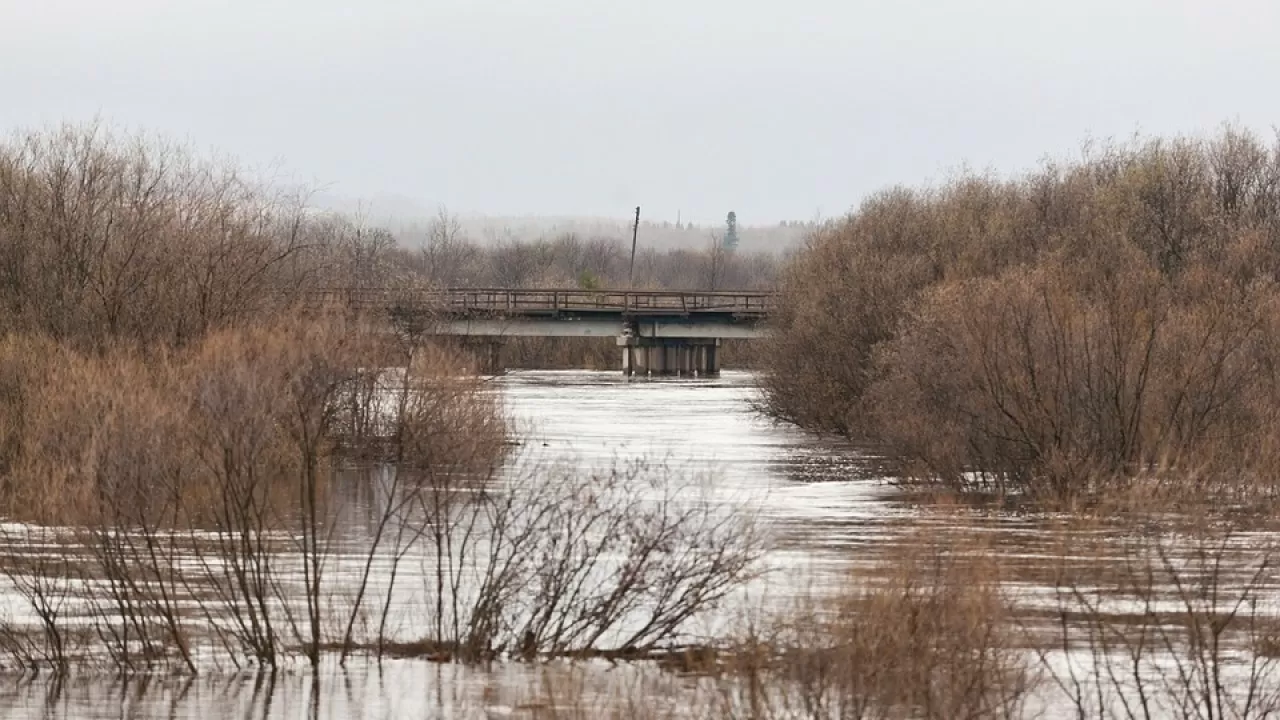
(106, 238)
(1106, 318)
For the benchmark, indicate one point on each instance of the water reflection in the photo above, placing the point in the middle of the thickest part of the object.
(816, 494)
(393, 689)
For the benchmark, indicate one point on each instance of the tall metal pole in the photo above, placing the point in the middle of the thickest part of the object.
(635, 231)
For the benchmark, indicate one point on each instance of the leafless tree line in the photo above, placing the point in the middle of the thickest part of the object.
(108, 237)
(1090, 321)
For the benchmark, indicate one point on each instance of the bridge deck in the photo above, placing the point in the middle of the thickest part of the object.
(553, 302)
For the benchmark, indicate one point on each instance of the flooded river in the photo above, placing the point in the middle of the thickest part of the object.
(821, 503)
(820, 499)
(825, 507)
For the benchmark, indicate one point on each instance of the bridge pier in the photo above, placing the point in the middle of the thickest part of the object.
(669, 356)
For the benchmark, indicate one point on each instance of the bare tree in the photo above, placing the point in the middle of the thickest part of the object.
(447, 254)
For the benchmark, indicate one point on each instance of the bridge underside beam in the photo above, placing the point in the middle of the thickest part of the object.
(595, 327)
(695, 329)
(527, 327)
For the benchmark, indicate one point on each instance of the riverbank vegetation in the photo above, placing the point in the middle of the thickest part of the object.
(1090, 322)
(202, 465)
(1096, 337)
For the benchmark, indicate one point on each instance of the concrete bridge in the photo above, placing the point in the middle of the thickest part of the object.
(659, 332)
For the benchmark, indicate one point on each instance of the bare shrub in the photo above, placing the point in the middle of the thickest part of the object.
(1172, 618)
(1092, 320)
(1051, 379)
(928, 631)
(112, 237)
(554, 563)
(440, 434)
(46, 582)
(818, 357)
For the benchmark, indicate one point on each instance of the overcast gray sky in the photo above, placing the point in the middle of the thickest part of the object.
(777, 110)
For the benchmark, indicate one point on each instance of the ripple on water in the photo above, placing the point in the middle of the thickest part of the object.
(814, 493)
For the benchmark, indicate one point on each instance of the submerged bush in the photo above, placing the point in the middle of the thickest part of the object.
(926, 631)
(254, 402)
(193, 501)
(1027, 381)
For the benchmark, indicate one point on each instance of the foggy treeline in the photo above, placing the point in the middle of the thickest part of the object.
(443, 253)
(413, 225)
(657, 235)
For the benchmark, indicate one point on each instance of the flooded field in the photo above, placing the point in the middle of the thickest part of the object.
(824, 509)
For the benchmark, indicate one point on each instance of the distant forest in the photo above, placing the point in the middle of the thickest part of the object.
(411, 223)
(444, 252)
(655, 235)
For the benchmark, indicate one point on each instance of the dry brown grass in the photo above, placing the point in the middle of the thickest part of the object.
(928, 631)
(179, 477)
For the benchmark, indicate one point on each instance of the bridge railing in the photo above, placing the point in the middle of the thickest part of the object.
(554, 301)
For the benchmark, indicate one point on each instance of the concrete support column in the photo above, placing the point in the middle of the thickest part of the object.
(680, 357)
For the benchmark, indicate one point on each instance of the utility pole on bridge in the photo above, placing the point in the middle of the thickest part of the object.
(635, 231)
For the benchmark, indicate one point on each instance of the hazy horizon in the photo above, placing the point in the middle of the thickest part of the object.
(572, 109)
